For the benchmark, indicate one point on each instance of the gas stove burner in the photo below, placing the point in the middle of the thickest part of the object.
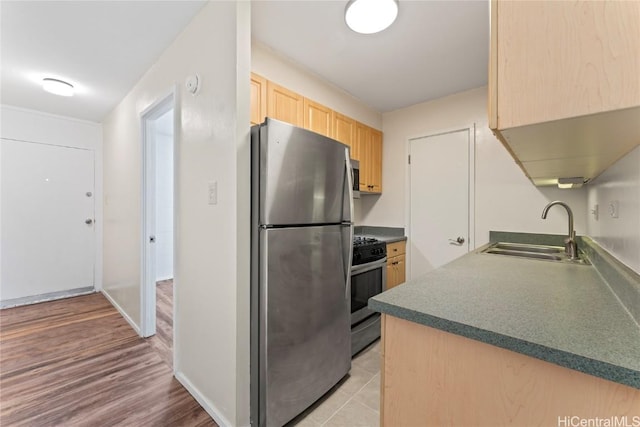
(361, 240)
(367, 249)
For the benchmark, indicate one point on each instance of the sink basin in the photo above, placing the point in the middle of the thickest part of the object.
(537, 252)
(529, 248)
(526, 254)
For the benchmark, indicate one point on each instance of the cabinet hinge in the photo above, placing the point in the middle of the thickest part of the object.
(409, 156)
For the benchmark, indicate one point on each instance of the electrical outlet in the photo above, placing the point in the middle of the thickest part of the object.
(213, 192)
(613, 209)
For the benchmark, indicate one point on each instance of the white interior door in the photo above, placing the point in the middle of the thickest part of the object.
(157, 205)
(48, 238)
(439, 199)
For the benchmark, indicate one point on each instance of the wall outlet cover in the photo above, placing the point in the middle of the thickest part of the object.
(213, 192)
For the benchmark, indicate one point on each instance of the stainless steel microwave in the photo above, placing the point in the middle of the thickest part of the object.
(355, 167)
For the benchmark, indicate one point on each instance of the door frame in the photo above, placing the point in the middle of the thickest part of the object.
(148, 256)
(471, 226)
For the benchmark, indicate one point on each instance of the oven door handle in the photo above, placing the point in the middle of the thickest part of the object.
(363, 268)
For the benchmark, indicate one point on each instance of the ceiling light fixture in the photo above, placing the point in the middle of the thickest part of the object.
(370, 16)
(57, 87)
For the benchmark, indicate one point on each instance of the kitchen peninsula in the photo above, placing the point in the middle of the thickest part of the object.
(498, 340)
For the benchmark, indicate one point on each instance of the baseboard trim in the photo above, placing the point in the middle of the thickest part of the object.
(205, 403)
(122, 312)
(52, 296)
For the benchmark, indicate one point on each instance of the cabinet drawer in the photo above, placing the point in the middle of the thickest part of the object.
(395, 249)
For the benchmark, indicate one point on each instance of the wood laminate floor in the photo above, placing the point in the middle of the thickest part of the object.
(76, 362)
(162, 341)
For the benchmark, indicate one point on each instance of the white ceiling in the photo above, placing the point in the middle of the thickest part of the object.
(434, 48)
(101, 47)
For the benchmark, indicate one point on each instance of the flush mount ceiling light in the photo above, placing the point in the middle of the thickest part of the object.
(370, 16)
(57, 87)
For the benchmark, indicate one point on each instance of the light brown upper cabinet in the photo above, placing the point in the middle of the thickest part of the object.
(318, 118)
(375, 161)
(564, 84)
(344, 129)
(285, 105)
(282, 104)
(367, 148)
(258, 99)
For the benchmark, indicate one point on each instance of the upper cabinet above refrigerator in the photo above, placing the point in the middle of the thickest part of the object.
(564, 85)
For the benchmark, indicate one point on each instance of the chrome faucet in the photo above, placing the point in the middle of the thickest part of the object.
(570, 246)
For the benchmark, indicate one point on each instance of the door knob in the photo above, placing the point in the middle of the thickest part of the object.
(152, 239)
(459, 241)
(88, 221)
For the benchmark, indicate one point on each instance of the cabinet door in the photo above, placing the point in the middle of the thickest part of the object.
(401, 272)
(391, 275)
(285, 105)
(375, 161)
(318, 118)
(359, 151)
(560, 59)
(360, 137)
(258, 99)
(344, 130)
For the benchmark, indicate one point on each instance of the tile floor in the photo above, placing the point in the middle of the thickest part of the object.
(355, 401)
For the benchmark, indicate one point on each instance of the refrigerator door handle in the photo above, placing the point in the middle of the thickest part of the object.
(347, 253)
(348, 190)
(347, 247)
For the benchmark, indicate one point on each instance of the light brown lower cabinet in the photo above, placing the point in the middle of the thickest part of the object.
(396, 264)
(435, 378)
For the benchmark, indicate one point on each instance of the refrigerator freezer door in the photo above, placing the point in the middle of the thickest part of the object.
(302, 176)
(305, 343)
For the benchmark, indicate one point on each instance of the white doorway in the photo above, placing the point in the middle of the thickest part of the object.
(48, 222)
(158, 141)
(441, 180)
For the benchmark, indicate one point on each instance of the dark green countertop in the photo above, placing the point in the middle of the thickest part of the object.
(561, 313)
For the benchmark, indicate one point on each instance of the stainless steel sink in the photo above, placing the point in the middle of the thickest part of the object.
(528, 248)
(537, 252)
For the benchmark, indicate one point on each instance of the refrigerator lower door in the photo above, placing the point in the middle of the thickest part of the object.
(305, 341)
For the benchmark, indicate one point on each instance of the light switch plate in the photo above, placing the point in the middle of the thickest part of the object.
(613, 209)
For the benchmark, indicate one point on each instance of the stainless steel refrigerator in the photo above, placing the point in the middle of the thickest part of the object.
(301, 251)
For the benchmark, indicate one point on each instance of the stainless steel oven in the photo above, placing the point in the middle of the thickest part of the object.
(368, 278)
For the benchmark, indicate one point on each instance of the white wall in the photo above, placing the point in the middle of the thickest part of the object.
(164, 196)
(283, 71)
(505, 198)
(620, 236)
(212, 241)
(34, 126)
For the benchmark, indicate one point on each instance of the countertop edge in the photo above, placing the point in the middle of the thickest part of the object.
(562, 358)
(392, 239)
